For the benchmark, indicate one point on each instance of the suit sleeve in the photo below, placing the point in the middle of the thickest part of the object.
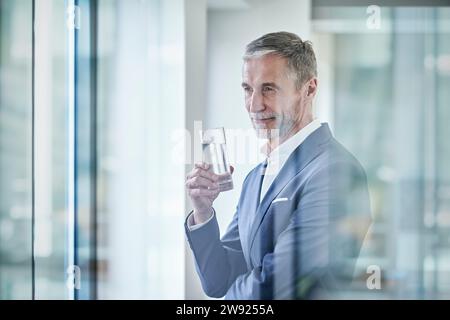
(311, 254)
(218, 261)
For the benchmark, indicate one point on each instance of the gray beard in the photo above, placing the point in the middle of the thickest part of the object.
(271, 134)
(266, 133)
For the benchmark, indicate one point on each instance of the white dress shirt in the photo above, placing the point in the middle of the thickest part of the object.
(278, 157)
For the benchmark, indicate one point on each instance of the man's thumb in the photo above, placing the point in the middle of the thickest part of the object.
(231, 169)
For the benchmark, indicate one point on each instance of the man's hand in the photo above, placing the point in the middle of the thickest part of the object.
(203, 188)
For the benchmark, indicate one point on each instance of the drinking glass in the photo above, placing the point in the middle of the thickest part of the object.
(214, 152)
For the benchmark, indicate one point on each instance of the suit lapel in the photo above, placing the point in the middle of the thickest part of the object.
(300, 157)
(250, 205)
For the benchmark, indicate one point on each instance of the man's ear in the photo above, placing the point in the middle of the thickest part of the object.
(311, 88)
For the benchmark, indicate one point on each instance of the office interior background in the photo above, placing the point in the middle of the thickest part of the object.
(95, 101)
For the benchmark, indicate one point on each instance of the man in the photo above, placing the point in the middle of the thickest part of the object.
(303, 212)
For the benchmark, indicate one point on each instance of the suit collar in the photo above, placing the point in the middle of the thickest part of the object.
(299, 158)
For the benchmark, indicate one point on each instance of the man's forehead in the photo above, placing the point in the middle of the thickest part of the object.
(268, 65)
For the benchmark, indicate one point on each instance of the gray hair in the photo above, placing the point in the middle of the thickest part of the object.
(300, 55)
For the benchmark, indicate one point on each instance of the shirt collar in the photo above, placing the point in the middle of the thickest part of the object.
(282, 152)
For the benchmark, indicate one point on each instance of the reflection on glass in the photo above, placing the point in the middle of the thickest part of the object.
(390, 106)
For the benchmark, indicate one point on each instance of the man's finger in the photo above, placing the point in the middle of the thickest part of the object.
(202, 165)
(202, 192)
(203, 173)
(201, 182)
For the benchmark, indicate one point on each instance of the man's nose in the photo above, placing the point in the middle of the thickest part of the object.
(256, 103)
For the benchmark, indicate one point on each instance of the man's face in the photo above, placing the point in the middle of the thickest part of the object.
(273, 101)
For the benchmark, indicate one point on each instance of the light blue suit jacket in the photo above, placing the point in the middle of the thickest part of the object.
(302, 245)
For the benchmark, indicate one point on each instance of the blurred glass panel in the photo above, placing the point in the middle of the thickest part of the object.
(86, 126)
(65, 202)
(51, 149)
(15, 149)
(441, 252)
(141, 118)
(139, 54)
(391, 110)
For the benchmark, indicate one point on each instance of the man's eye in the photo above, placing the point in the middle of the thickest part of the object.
(267, 89)
(247, 89)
